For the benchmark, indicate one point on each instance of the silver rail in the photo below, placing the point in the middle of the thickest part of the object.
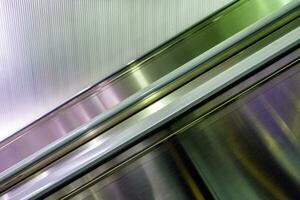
(67, 168)
(157, 85)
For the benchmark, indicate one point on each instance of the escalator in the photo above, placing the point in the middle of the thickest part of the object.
(248, 148)
(211, 114)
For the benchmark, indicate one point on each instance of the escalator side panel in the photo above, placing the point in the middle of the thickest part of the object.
(251, 149)
(229, 150)
(137, 75)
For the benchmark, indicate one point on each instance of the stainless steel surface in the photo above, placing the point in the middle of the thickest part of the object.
(96, 101)
(13, 180)
(110, 142)
(235, 158)
(130, 155)
(81, 110)
(161, 174)
(250, 150)
(50, 51)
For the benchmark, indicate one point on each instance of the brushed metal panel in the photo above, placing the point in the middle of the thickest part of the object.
(251, 149)
(51, 50)
(105, 144)
(89, 182)
(159, 179)
(111, 92)
(230, 151)
(161, 174)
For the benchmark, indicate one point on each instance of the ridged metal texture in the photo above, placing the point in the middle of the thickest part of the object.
(120, 132)
(247, 150)
(109, 95)
(51, 50)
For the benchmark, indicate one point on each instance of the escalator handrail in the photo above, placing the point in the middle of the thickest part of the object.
(66, 169)
(135, 98)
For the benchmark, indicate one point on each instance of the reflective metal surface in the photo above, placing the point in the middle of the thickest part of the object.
(105, 169)
(246, 149)
(51, 51)
(91, 151)
(251, 149)
(161, 174)
(284, 30)
(138, 75)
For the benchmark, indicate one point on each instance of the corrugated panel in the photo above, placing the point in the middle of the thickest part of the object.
(51, 50)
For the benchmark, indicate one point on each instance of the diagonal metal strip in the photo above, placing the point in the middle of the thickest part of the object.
(66, 169)
(145, 92)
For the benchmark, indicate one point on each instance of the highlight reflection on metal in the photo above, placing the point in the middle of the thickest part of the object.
(249, 149)
(278, 33)
(92, 175)
(51, 51)
(107, 95)
(161, 174)
(118, 133)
